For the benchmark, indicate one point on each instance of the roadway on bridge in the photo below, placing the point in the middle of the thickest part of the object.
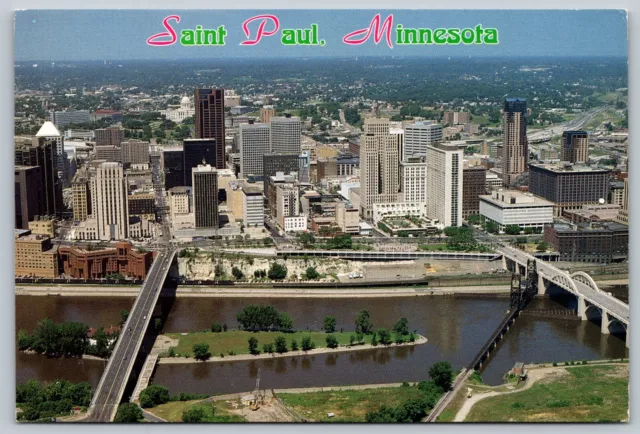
(615, 307)
(114, 379)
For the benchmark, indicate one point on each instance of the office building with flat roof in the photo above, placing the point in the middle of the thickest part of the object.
(197, 152)
(209, 118)
(254, 142)
(444, 183)
(286, 134)
(205, 196)
(515, 151)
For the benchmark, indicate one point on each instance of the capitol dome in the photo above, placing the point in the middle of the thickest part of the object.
(185, 101)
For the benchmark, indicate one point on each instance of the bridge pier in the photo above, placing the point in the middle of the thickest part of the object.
(627, 339)
(604, 325)
(582, 308)
(542, 285)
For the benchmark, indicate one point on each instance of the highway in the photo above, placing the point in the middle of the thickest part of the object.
(108, 395)
(573, 124)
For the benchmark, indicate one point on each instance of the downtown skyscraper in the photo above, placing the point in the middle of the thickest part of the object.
(209, 118)
(379, 155)
(515, 149)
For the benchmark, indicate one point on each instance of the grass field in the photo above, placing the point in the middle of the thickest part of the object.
(172, 411)
(237, 341)
(584, 394)
(347, 405)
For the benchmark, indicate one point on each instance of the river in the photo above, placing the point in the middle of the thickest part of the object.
(456, 327)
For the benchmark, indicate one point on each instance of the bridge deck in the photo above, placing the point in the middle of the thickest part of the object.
(108, 395)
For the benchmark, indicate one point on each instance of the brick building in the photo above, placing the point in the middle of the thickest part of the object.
(602, 242)
(95, 264)
(474, 185)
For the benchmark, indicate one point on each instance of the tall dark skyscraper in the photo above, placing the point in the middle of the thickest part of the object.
(28, 195)
(515, 150)
(173, 168)
(42, 154)
(205, 196)
(196, 151)
(209, 106)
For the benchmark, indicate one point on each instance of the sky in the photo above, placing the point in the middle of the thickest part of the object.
(67, 35)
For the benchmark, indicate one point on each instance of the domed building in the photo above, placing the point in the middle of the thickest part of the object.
(177, 113)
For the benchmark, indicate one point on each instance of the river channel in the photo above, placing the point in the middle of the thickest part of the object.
(455, 327)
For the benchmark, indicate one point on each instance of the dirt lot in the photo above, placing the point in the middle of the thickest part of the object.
(424, 268)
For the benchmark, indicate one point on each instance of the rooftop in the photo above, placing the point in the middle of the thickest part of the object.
(564, 167)
(48, 130)
(514, 198)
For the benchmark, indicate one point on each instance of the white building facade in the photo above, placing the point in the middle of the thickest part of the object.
(444, 183)
(111, 202)
(512, 207)
(254, 142)
(418, 136)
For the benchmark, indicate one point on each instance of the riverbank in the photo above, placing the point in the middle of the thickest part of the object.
(241, 339)
(82, 357)
(595, 392)
(203, 291)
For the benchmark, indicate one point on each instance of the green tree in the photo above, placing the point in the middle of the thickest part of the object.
(124, 315)
(442, 374)
(216, 328)
(384, 336)
(374, 340)
(513, 229)
(329, 324)
(267, 348)
(363, 322)
(128, 413)
(382, 415)
(491, 227)
(154, 395)
(25, 341)
(306, 239)
(474, 219)
(307, 343)
(195, 414)
(312, 273)
(543, 246)
(285, 322)
(253, 346)
(352, 339)
(280, 344)
(201, 351)
(402, 326)
(277, 271)
(294, 345)
(237, 273)
(332, 342)
(157, 325)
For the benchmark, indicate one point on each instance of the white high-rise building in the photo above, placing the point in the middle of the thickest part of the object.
(286, 134)
(254, 142)
(379, 151)
(418, 136)
(111, 202)
(444, 183)
(413, 180)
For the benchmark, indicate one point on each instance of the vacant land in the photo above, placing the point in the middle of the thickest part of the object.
(596, 393)
(236, 342)
(346, 405)
(172, 411)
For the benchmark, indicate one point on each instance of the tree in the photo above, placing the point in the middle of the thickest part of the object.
(25, 341)
(382, 415)
(154, 395)
(294, 345)
(363, 322)
(442, 374)
(384, 336)
(307, 343)
(277, 271)
(216, 328)
(402, 326)
(543, 246)
(285, 322)
(124, 315)
(329, 324)
(267, 348)
(474, 219)
(253, 346)
(340, 242)
(193, 415)
(237, 273)
(492, 227)
(157, 325)
(312, 273)
(332, 342)
(128, 413)
(512, 229)
(352, 339)
(201, 351)
(280, 344)
(306, 239)
(374, 340)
